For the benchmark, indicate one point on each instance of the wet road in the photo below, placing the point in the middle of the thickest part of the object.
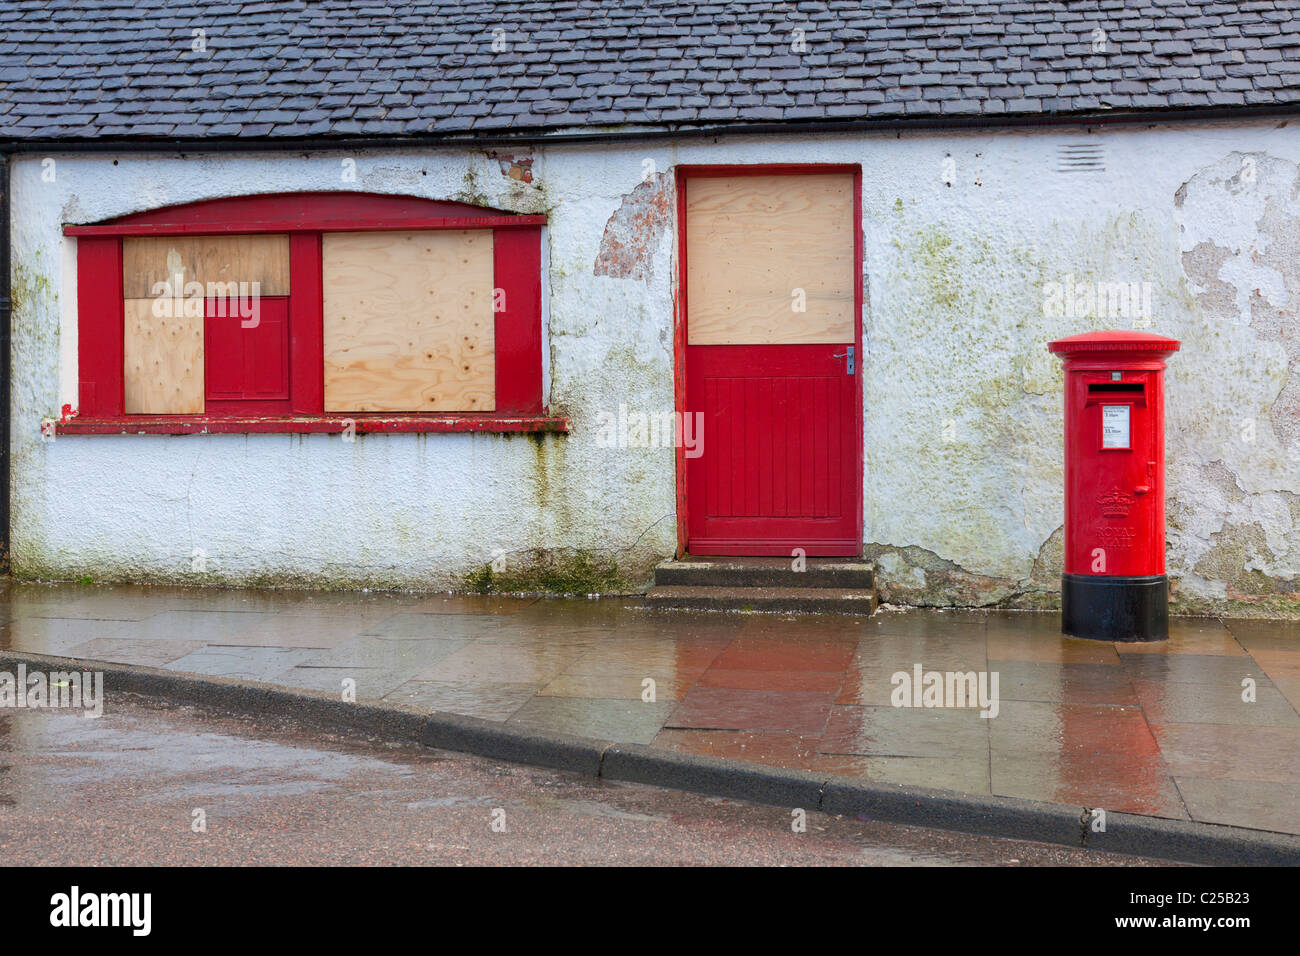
(134, 786)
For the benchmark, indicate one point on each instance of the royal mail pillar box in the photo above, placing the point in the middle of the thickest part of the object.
(1114, 586)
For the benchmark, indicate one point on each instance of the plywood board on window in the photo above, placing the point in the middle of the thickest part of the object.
(147, 260)
(752, 242)
(162, 360)
(408, 321)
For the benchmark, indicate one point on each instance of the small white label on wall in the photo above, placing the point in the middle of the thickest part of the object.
(1114, 426)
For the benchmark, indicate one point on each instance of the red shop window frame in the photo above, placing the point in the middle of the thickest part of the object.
(305, 217)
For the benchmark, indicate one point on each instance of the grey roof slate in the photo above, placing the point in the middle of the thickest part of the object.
(77, 69)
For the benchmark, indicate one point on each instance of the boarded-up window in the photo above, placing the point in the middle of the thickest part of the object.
(169, 283)
(237, 309)
(770, 259)
(408, 321)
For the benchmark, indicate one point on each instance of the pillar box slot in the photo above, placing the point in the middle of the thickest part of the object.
(1114, 587)
(1112, 388)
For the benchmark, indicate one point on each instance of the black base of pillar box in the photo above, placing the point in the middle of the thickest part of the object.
(1115, 609)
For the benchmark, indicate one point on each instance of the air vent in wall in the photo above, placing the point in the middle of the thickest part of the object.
(1080, 158)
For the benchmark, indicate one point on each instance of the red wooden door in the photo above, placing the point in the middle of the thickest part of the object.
(771, 304)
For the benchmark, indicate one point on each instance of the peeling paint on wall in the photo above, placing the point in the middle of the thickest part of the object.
(634, 231)
(1235, 437)
(516, 167)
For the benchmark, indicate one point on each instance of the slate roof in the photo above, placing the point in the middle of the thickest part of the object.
(125, 68)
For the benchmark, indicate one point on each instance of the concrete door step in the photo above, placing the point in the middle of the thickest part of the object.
(764, 572)
(801, 599)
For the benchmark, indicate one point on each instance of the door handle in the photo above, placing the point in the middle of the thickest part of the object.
(1142, 489)
(848, 355)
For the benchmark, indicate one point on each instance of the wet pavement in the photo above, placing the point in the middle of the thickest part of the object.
(1161, 729)
(153, 783)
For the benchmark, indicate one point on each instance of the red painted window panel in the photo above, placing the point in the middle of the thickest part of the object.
(223, 357)
(99, 330)
(248, 364)
(517, 267)
(306, 326)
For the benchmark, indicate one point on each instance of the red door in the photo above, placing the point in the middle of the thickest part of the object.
(771, 305)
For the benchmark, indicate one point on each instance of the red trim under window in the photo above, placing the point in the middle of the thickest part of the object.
(362, 424)
(305, 216)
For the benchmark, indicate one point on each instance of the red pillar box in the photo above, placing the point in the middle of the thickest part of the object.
(1114, 586)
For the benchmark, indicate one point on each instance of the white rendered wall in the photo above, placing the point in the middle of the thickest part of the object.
(962, 488)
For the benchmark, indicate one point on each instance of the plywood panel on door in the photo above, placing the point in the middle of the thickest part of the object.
(162, 360)
(149, 260)
(408, 321)
(755, 243)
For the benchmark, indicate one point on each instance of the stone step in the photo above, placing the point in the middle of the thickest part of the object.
(763, 572)
(813, 600)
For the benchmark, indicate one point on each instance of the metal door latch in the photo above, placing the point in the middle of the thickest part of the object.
(849, 355)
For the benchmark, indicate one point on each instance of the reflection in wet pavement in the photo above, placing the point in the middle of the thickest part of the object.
(1162, 729)
(128, 788)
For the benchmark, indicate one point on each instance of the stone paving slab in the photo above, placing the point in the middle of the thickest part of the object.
(1162, 730)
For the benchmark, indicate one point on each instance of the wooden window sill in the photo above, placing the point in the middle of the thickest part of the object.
(372, 423)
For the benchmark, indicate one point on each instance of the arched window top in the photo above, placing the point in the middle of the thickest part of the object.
(311, 211)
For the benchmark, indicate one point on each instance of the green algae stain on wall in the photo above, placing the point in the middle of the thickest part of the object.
(948, 433)
(575, 572)
(538, 566)
(34, 397)
(964, 447)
